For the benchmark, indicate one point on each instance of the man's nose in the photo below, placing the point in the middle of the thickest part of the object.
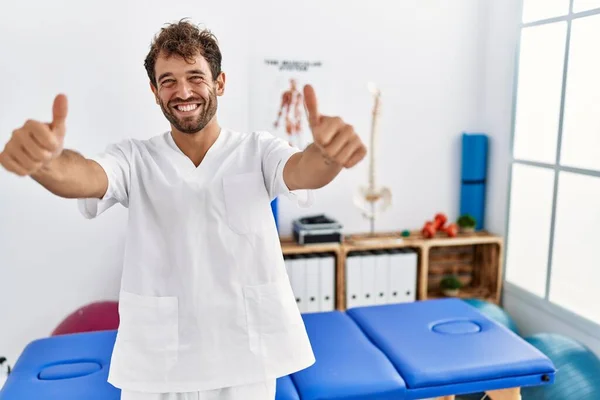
(184, 90)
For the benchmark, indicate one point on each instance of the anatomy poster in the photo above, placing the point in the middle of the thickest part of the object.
(277, 98)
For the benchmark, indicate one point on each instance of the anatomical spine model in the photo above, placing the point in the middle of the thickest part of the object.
(292, 105)
(372, 200)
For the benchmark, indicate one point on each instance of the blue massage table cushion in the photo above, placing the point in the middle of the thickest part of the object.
(286, 390)
(401, 351)
(347, 364)
(446, 346)
(67, 367)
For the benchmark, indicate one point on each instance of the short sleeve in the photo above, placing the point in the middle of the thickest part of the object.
(275, 154)
(116, 162)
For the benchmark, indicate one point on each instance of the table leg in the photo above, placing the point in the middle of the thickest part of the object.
(505, 394)
(502, 394)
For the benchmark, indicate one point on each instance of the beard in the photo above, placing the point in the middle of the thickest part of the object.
(193, 123)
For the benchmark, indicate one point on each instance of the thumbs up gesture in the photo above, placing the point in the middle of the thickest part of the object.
(35, 144)
(337, 140)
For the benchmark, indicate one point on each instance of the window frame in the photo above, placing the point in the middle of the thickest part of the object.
(543, 303)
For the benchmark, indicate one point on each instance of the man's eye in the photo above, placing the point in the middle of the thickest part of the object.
(197, 78)
(167, 82)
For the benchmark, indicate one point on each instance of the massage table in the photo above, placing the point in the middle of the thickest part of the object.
(425, 349)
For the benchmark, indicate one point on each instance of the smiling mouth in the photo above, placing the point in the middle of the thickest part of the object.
(187, 108)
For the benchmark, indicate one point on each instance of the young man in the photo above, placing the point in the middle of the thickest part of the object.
(206, 308)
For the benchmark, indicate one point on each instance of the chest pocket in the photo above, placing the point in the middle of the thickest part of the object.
(247, 203)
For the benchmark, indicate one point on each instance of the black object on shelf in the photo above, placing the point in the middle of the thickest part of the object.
(316, 229)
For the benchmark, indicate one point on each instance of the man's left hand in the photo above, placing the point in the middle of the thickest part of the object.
(337, 140)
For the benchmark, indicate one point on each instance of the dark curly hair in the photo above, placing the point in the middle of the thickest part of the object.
(187, 41)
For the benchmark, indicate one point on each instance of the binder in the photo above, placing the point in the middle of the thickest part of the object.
(312, 264)
(403, 275)
(353, 280)
(382, 276)
(327, 282)
(396, 266)
(410, 275)
(298, 279)
(368, 278)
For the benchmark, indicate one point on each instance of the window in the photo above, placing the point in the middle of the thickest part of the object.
(535, 10)
(553, 227)
(585, 5)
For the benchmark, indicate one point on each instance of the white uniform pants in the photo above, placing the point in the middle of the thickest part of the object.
(255, 391)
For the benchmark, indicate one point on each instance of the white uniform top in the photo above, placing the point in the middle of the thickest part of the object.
(205, 299)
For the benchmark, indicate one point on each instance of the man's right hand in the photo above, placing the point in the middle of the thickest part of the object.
(35, 144)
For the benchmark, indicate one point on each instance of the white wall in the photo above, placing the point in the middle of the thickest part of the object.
(501, 29)
(426, 57)
(424, 54)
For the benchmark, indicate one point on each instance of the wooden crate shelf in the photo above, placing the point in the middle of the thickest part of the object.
(466, 293)
(289, 246)
(476, 258)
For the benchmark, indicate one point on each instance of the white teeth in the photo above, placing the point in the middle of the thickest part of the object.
(187, 107)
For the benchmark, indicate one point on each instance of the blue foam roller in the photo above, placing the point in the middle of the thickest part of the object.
(472, 201)
(474, 157)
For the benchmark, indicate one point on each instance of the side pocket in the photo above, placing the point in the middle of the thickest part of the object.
(272, 314)
(149, 328)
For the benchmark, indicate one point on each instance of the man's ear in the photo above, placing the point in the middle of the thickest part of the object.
(154, 91)
(220, 84)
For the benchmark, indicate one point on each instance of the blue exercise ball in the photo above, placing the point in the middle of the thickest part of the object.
(495, 313)
(578, 370)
